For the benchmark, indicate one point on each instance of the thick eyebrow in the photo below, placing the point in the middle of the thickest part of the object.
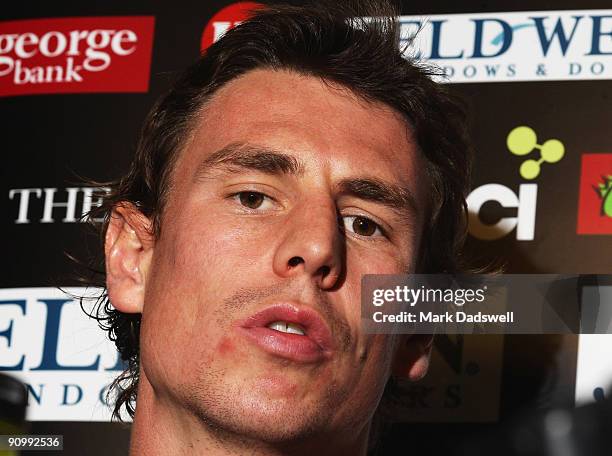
(399, 199)
(248, 156)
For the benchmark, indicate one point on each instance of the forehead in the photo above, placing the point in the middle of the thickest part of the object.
(325, 125)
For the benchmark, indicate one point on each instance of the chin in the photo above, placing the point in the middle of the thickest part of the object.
(262, 419)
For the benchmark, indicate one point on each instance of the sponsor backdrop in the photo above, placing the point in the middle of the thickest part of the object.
(76, 81)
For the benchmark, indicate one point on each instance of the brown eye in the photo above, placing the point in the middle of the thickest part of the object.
(362, 226)
(252, 200)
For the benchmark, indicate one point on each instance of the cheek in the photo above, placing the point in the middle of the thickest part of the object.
(378, 366)
(386, 259)
(357, 267)
(218, 240)
(364, 393)
(196, 266)
(373, 354)
(225, 347)
(204, 257)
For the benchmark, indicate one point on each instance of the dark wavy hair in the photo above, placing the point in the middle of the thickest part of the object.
(356, 47)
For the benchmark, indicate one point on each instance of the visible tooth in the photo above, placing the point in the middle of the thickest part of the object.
(292, 328)
(278, 326)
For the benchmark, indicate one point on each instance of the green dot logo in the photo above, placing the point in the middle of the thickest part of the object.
(523, 140)
(604, 191)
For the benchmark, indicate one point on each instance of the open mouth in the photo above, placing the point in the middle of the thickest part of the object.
(290, 331)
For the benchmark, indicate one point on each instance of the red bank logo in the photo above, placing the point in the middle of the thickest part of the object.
(225, 19)
(595, 200)
(77, 54)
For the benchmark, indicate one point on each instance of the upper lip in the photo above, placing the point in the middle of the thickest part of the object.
(315, 327)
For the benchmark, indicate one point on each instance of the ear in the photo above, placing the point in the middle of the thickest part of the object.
(128, 248)
(412, 356)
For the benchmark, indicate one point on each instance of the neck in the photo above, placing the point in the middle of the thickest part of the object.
(162, 427)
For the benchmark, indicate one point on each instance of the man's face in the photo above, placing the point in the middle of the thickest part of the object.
(289, 190)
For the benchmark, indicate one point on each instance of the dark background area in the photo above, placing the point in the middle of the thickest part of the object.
(55, 140)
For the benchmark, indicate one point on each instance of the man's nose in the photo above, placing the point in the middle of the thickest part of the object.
(311, 243)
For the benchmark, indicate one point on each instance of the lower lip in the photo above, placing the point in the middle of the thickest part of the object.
(285, 345)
